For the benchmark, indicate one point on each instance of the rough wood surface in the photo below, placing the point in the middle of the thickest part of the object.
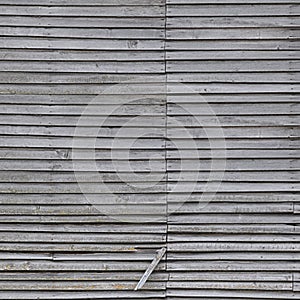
(232, 64)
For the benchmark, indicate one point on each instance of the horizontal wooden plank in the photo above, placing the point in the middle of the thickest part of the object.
(40, 142)
(77, 77)
(234, 34)
(80, 276)
(234, 266)
(23, 256)
(233, 219)
(81, 55)
(203, 154)
(76, 286)
(221, 98)
(229, 88)
(241, 143)
(239, 208)
(240, 256)
(84, 11)
(84, 78)
(232, 276)
(230, 10)
(87, 210)
(101, 166)
(103, 132)
(202, 132)
(227, 187)
(235, 21)
(115, 215)
(227, 120)
(238, 238)
(228, 66)
(238, 77)
(79, 44)
(77, 248)
(85, 33)
(79, 89)
(232, 46)
(194, 109)
(237, 197)
(77, 199)
(126, 89)
(144, 209)
(238, 177)
(73, 266)
(82, 3)
(81, 238)
(70, 177)
(233, 246)
(226, 55)
(233, 165)
(228, 285)
(30, 295)
(71, 120)
(82, 228)
(226, 229)
(84, 67)
(23, 153)
(117, 97)
(86, 165)
(83, 22)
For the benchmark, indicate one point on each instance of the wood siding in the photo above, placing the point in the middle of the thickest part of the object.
(56, 57)
(215, 82)
(242, 57)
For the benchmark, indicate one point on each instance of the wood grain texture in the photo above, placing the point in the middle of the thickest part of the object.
(232, 95)
(237, 240)
(56, 57)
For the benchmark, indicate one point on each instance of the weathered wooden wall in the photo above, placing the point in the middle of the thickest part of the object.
(242, 57)
(56, 56)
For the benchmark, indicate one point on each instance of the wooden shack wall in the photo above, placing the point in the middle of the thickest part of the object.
(237, 59)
